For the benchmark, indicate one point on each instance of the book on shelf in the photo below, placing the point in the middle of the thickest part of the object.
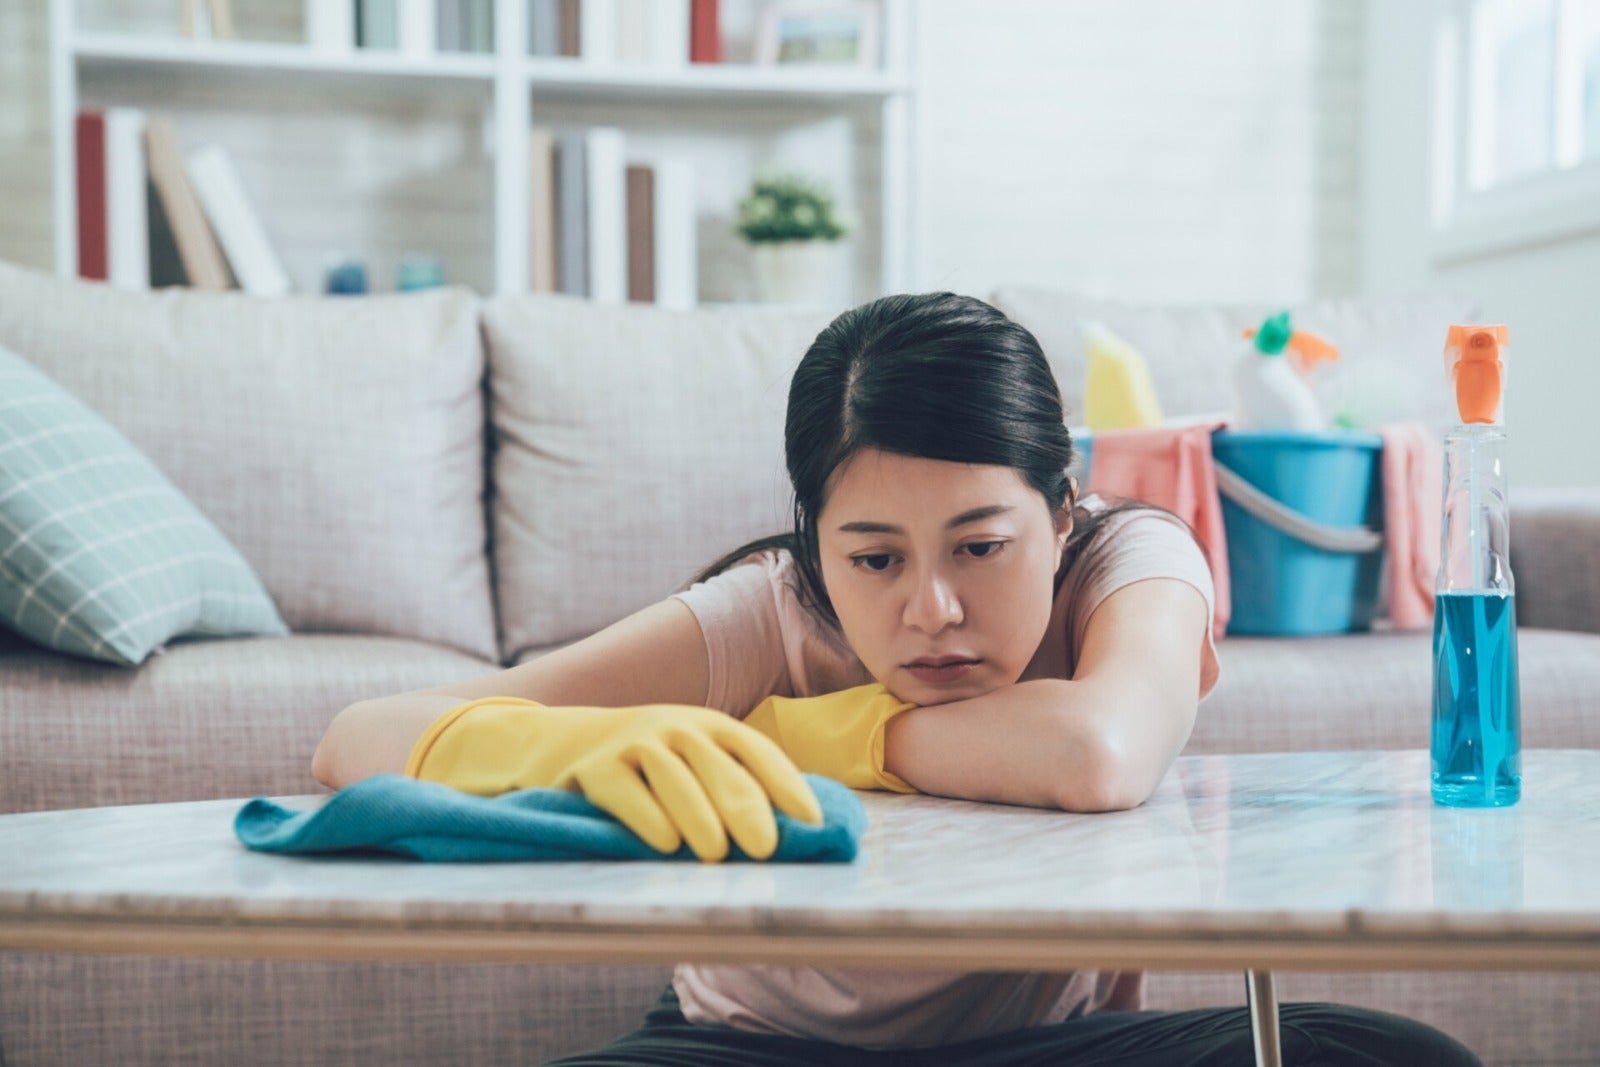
(632, 34)
(597, 31)
(675, 240)
(127, 228)
(705, 34)
(448, 32)
(331, 26)
(542, 234)
(572, 214)
(641, 234)
(480, 25)
(606, 170)
(238, 228)
(197, 245)
(416, 27)
(89, 135)
(377, 24)
(668, 33)
(544, 27)
(571, 29)
(652, 33)
(465, 26)
(166, 262)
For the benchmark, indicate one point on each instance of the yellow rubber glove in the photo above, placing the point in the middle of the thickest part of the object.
(839, 736)
(668, 772)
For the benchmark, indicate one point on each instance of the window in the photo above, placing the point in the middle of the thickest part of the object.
(1520, 80)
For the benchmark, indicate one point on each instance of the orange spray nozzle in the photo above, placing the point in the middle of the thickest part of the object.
(1308, 348)
(1472, 356)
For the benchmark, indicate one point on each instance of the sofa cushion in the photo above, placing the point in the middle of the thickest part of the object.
(202, 720)
(73, 1008)
(102, 556)
(633, 446)
(337, 441)
(1554, 532)
(1374, 691)
(1390, 365)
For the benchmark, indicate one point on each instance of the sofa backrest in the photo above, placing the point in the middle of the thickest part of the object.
(631, 446)
(1390, 366)
(337, 443)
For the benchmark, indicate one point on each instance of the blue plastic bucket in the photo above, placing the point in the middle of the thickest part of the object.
(1281, 585)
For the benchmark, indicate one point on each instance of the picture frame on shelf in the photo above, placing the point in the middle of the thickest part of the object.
(843, 33)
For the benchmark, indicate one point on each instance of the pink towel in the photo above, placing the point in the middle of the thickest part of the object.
(1170, 467)
(1413, 465)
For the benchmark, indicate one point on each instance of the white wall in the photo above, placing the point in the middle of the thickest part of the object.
(1545, 292)
(1159, 149)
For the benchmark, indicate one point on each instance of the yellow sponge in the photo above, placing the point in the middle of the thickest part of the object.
(1118, 394)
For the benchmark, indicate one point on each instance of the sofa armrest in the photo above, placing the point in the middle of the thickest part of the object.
(1555, 558)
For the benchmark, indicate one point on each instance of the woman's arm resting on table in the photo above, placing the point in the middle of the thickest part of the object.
(655, 656)
(1100, 741)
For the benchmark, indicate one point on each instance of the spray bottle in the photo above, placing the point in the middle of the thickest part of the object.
(1477, 729)
(1269, 392)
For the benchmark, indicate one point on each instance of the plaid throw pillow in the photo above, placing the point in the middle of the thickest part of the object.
(100, 555)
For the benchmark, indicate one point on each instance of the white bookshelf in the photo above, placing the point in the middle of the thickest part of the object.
(281, 105)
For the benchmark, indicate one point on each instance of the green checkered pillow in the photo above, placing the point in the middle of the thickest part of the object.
(100, 555)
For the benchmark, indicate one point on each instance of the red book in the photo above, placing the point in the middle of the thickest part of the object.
(90, 134)
(705, 38)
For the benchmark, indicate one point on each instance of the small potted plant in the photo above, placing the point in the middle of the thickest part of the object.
(794, 237)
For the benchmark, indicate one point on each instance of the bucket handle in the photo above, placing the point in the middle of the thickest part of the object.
(1274, 513)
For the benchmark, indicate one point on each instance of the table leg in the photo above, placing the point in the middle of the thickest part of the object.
(1263, 997)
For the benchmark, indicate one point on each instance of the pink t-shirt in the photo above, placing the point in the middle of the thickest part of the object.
(762, 641)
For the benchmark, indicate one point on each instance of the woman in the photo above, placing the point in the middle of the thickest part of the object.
(1022, 648)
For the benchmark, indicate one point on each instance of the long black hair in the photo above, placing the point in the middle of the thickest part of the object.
(934, 375)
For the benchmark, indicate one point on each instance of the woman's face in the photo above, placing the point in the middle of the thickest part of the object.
(928, 560)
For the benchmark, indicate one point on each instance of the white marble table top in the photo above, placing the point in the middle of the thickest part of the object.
(1312, 860)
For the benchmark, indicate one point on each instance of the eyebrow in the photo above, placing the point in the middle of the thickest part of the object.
(975, 515)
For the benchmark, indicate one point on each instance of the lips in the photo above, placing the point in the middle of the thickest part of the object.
(941, 669)
(941, 661)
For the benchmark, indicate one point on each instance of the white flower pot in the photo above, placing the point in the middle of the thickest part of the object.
(800, 272)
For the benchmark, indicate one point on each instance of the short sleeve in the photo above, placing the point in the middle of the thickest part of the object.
(1133, 546)
(761, 639)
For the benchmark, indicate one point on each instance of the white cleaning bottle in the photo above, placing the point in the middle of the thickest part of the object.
(1269, 394)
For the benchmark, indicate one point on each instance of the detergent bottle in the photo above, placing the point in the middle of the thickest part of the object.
(1118, 393)
(1270, 393)
(1477, 728)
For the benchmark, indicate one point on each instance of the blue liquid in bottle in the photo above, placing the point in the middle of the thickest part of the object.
(1477, 735)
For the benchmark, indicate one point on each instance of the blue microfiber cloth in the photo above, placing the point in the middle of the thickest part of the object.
(393, 814)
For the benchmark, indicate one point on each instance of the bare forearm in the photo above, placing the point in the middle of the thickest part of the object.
(375, 737)
(1040, 743)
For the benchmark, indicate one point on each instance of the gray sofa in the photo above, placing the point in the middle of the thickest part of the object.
(434, 485)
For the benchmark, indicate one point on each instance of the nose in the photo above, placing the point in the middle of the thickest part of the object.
(932, 604)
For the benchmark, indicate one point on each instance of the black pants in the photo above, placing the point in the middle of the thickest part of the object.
(1313, 1035)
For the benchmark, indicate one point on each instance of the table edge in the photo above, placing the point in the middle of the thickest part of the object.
(917, 950)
